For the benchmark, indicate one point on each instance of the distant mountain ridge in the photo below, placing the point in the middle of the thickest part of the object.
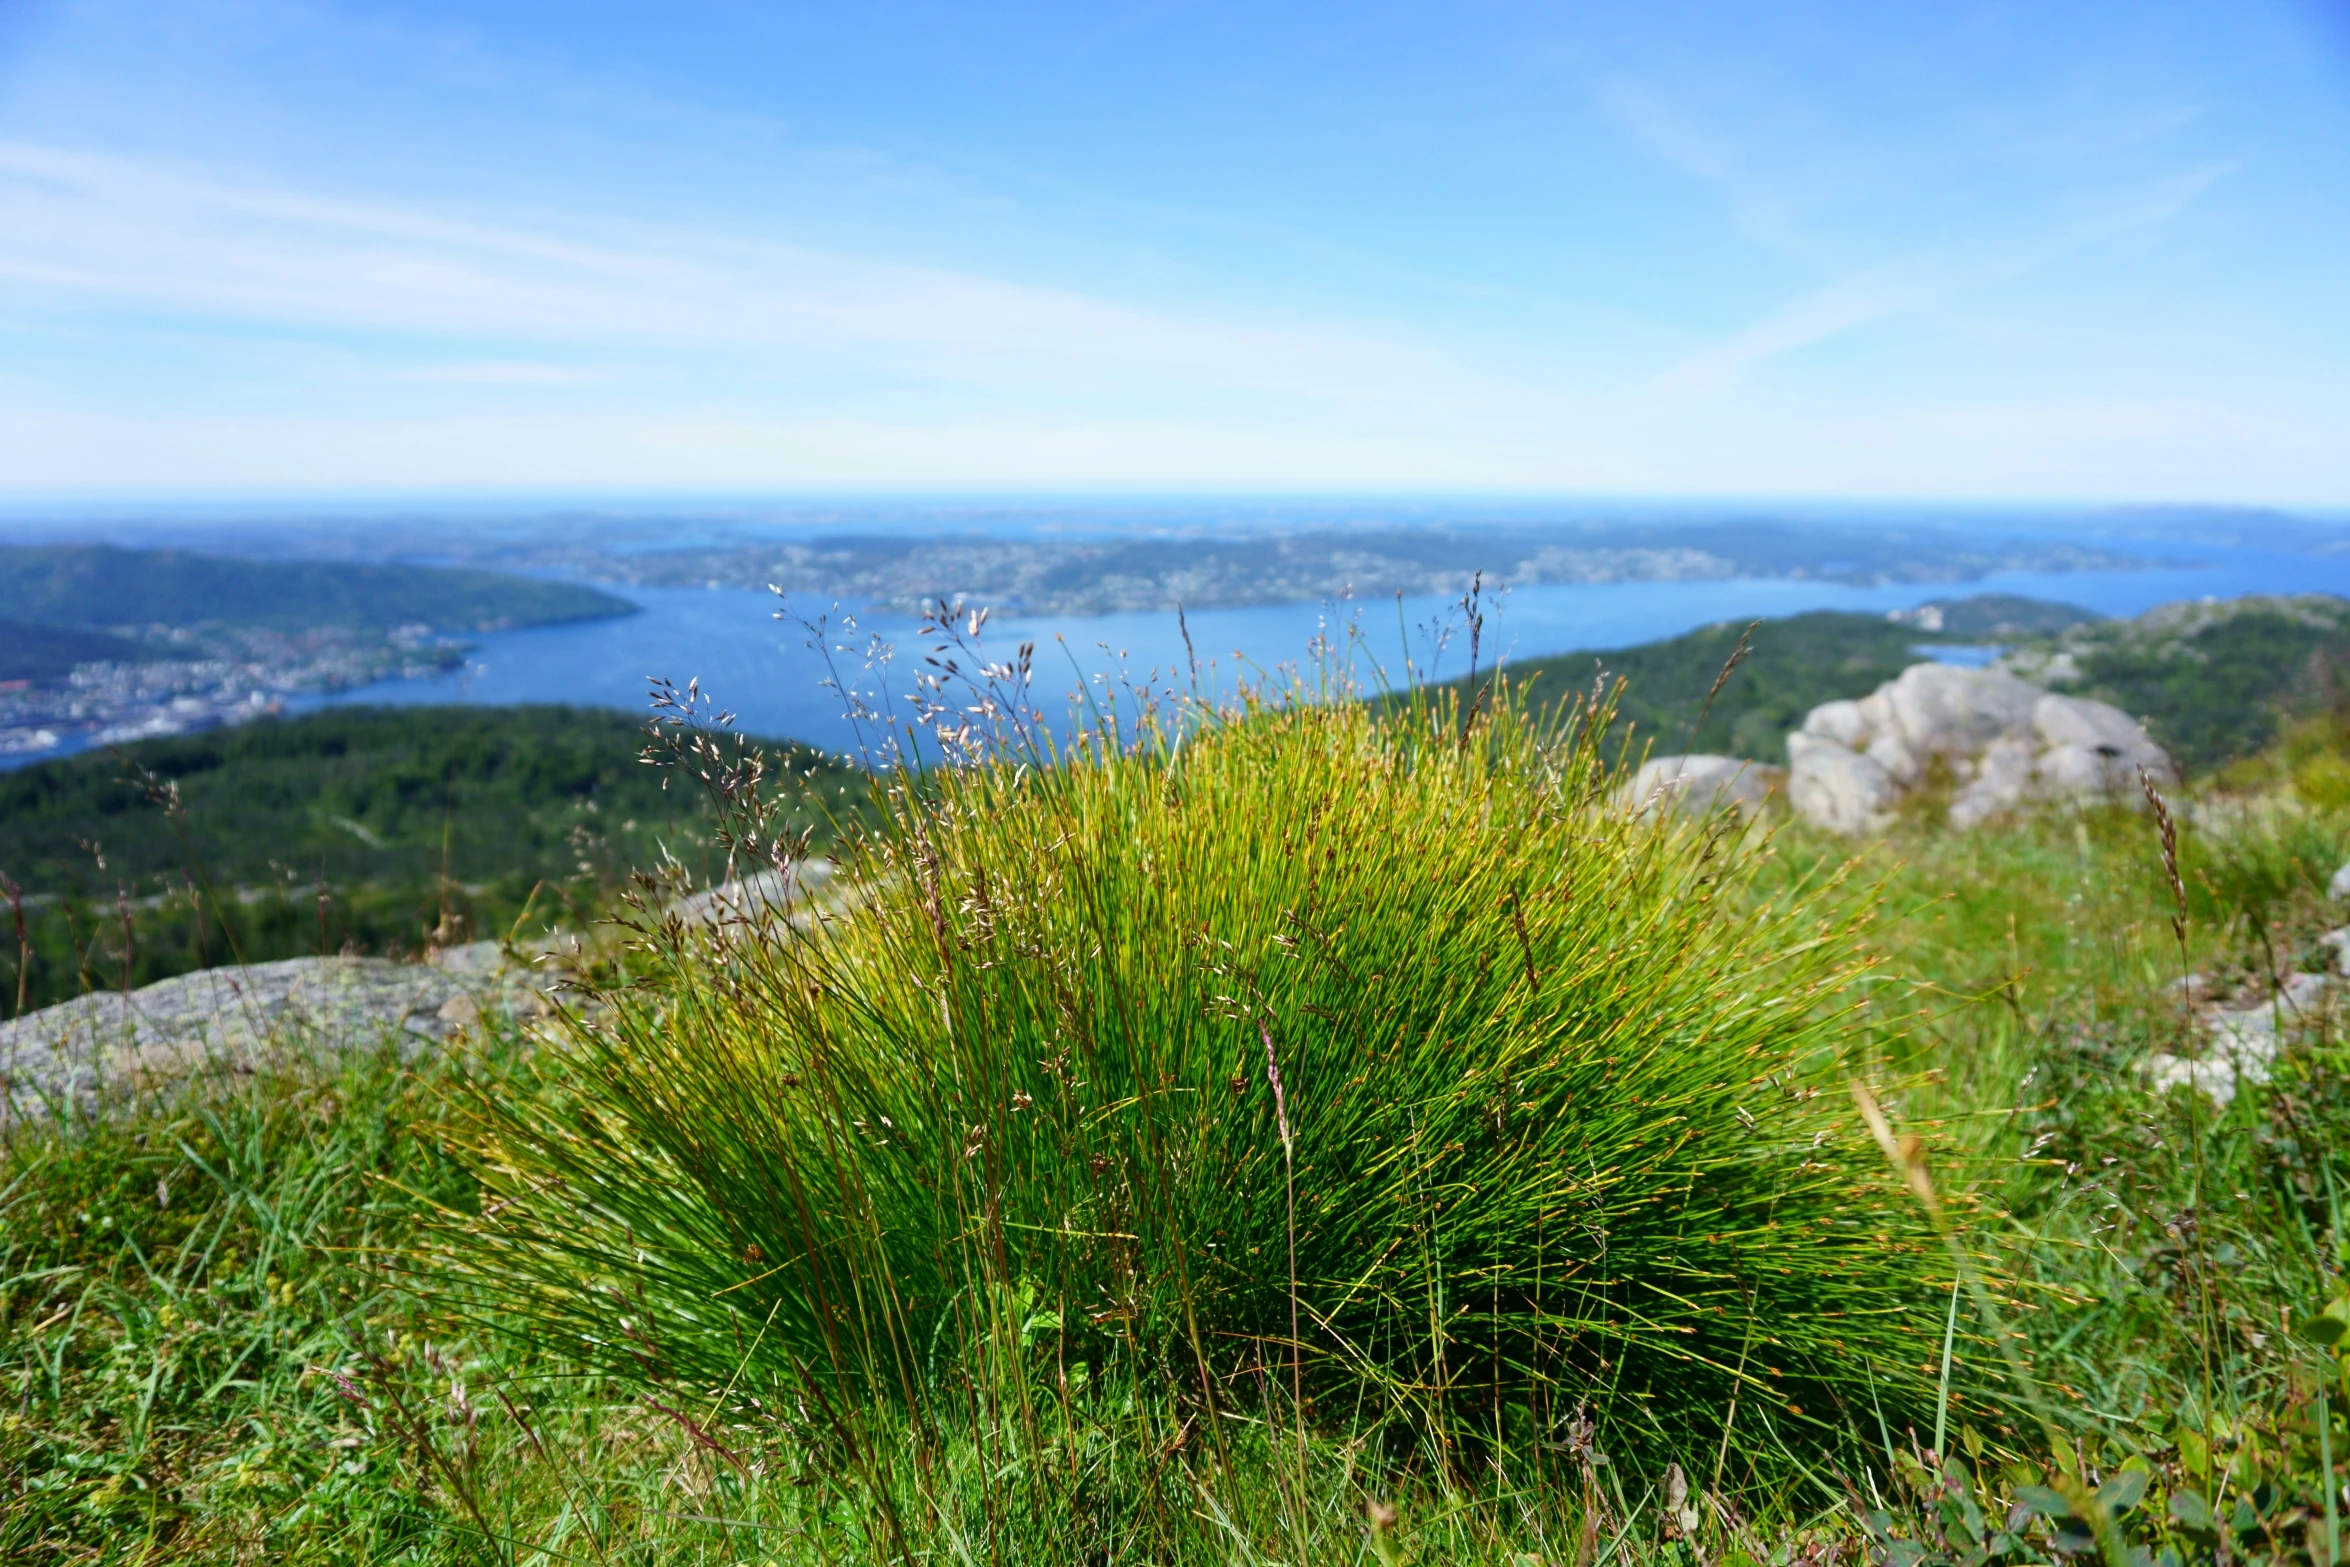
(105, 585)
(1099, 574)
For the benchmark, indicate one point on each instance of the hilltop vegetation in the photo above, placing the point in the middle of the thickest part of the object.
(2213, 683)
(381, 828)
(1345, 1137)
(85, 585)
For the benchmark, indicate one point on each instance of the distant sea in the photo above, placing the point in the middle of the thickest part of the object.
(764, 671)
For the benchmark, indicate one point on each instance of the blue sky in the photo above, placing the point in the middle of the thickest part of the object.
(2029, 251)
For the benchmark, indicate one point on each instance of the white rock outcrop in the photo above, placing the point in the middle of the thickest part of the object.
(1701, 783)
(2006, 744)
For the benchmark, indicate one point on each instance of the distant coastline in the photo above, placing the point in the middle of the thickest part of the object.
(1260, 584)
(101, 645)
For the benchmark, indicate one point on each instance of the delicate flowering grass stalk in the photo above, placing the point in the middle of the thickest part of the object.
(2167, 834)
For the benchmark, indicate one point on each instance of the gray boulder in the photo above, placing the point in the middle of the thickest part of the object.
(2006, 744)
(1699, 783)
(1837, 787)
(240, 1018)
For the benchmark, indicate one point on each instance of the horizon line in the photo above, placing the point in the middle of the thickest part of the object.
(358, 502)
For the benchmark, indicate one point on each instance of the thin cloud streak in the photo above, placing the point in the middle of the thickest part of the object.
(112, 231)
(1758, 206)
(1865, 298)
(1814, 318)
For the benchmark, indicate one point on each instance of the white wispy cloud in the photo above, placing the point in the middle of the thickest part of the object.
(105, 230)
(1871, 295)
(1760, 196)
(1814, 318)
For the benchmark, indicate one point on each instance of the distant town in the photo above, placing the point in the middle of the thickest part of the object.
(100, 644)
(218, 677)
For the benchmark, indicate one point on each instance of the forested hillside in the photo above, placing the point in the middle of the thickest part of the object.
(379, 827)
(2214, 682)
(103, 585)
(29, 652)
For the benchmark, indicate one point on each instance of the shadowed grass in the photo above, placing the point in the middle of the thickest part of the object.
(233, 1374)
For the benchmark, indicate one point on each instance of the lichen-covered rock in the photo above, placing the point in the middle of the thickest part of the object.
(1700, 783)
(2005, 743)
(239, 1018)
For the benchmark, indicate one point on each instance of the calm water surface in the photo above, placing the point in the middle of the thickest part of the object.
(765, 671)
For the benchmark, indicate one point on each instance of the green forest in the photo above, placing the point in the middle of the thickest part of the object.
(377, 829)
(44, 653)
(2226, 688)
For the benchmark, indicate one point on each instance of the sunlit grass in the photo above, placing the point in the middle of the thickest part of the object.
(1381, 1080)
(959, 1228)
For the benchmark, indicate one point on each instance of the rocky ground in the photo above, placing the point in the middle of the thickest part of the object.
(1999, 744)
(2240, 1042)
(82, 1052)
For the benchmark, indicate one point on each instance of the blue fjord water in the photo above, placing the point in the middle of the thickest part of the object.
(765, 671)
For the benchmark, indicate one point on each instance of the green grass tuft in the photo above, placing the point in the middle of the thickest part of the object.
(1312, 1053)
